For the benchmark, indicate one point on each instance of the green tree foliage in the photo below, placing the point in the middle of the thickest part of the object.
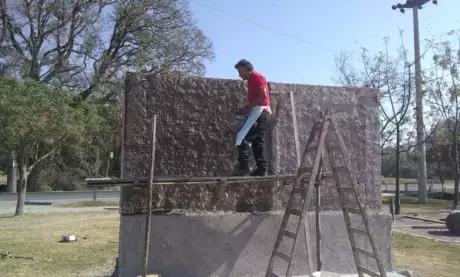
(438, 151)
(392, 77)
(408, 162)
(36, 121)
(444, 99)
(87, 45)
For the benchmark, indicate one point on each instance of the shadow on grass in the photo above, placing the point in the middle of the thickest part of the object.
(115, 270)
(428, 227)
(38, 203)
(89, 204)
(443, 233)
(6, 215)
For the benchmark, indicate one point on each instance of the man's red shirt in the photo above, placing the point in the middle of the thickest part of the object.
(255, 82)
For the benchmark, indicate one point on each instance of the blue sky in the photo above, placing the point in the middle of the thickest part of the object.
(334, 25)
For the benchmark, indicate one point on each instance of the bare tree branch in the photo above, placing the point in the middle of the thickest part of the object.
(84, 44)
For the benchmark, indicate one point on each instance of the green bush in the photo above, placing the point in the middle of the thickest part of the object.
(45, 187)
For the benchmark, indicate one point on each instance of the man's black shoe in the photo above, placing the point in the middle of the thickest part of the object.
(239, 170)
(258, 172)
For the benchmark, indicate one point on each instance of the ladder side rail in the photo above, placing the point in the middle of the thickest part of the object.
(311, 137)
(307, 199)
(280, 235)
(321, 141)
(299, 223)
(346, 216)
(346, 158)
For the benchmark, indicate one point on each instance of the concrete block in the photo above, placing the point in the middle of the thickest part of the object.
(229, 244)
(230, 231)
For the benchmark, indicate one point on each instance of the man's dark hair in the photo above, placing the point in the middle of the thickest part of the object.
(244, 63)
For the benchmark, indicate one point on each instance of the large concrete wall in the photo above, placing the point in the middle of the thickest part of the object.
(195, 137)
(230, 231)
(216, 244)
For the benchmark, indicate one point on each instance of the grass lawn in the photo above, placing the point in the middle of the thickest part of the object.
(2, 178)
(425, 256)
(83, 204)
(37, 237)
(392, 180)
(409, 205)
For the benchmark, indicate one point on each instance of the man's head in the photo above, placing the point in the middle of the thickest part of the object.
(244, 68)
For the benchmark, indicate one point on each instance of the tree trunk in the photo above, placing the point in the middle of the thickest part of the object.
(12, 178)
(441, 176)
(117, 160)
(32, 179)
(22, 190)
(398, 163)
(97, 164)
(457, 173)
(440, 171)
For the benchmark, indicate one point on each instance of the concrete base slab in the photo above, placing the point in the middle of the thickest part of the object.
(222, 244)
(333, 274)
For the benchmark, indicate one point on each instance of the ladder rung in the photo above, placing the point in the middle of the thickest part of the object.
(333, 147)
(324, 175)
(346, 188)
(271, 274)
(289, 234)
(282, 255)
(304, 170)
(312, 148)
(364, 252)
(299, 190)
(353, 210)
(327, 175)
(296, 212)
(369, 272)
(359, 231)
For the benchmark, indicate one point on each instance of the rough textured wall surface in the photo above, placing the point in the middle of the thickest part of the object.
(195, 137)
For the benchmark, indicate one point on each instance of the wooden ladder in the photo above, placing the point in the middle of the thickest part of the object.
(302, 194)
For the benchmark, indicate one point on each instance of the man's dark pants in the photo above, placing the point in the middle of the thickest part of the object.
(256, 136)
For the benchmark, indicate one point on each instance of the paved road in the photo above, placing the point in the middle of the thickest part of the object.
(43, 200)
(70, 196)
(414, 187)
(110, 195)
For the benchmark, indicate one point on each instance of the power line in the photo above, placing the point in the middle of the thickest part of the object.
(264, 27)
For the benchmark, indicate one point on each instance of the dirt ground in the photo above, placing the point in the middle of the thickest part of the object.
(428, 229)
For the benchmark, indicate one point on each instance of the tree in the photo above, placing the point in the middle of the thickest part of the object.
(444, 93)
(36, 120)
(88, 44)
(438, 154)
(391, 75)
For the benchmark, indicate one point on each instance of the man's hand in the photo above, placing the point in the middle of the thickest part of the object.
(244, 110)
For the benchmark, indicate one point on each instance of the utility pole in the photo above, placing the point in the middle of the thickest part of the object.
(415, 5)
